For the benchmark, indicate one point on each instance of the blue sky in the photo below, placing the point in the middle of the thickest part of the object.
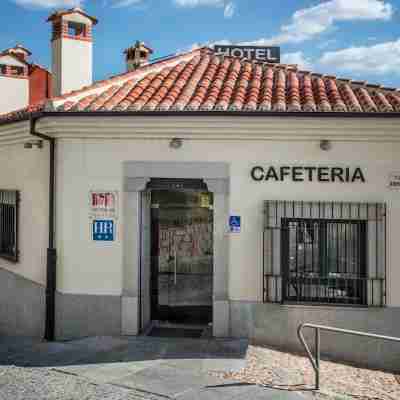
(357, 39)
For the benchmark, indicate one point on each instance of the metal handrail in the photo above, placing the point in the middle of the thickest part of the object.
(315, 361)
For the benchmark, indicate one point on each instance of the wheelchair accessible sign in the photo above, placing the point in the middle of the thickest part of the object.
(103, 230)
(235, 224)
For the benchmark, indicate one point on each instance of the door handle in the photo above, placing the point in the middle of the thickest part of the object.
(176, 266)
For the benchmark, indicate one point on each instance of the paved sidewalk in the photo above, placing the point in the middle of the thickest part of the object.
(127, 368)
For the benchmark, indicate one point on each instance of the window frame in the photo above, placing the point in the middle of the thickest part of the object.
(76, 29)
(12, 256)
(373, 213)
(322, 275)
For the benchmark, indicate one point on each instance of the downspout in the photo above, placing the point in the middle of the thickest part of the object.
(51, 262)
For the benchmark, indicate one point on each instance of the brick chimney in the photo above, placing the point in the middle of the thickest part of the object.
(137, 56)
(72, 50)
(20, 52)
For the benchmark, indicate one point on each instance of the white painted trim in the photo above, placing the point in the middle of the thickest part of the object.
(223, 127)
(18, 132)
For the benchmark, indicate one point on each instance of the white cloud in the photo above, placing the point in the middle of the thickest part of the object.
(378, 59)
(229, 7)
(327, 43)
(49, 3)
(197, 3)
(124, 3)
(297, 58)
(229, 10)
(310, 22)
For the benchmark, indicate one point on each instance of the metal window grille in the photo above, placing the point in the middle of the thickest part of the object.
(328, 253)
(9, 214)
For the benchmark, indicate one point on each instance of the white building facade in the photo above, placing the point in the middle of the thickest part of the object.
(206, 190)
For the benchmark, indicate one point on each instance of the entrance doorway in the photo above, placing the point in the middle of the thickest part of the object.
(181, 281)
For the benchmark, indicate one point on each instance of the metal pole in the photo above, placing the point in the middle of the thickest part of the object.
(315, 361)
(317, 356)
(51, 264)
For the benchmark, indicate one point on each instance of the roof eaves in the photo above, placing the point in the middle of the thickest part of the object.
(19, 117)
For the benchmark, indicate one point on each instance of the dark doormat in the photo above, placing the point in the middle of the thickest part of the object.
(176, 332)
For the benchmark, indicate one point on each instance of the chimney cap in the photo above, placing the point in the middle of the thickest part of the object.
(19, 47)
(76, 10)
(16, 52)
(139, 45)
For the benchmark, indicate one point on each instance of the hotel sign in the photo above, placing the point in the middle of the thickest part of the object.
(307, 174)
(103, 204)
(265, 54)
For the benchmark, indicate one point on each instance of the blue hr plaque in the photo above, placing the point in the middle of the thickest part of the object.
(103, 230)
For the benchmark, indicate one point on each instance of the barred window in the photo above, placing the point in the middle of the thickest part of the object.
(9, 210)
(330, 253)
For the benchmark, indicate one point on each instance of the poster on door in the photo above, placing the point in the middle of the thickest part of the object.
(103, 204)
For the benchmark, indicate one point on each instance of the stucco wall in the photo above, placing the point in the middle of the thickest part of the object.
(72, 64)
(14, 94)
(22, 284)
(26, 170)
(98, 165)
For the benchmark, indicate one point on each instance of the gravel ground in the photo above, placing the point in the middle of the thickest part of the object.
(46, 384)
(338, 381)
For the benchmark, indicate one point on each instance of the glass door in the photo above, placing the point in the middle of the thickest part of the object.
(182, 256)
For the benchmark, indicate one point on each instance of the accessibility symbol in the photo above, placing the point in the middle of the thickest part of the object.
(235, 223)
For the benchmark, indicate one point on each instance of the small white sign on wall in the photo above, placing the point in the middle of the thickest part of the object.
(103, 204)
(394, 181)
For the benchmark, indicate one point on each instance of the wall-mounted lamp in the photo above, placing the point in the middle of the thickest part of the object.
(37, 143)
(175, 143)
(325, 145)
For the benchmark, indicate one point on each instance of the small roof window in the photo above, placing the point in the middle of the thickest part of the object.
(76, 29)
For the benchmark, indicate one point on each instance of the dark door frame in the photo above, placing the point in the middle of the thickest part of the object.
(172, 185)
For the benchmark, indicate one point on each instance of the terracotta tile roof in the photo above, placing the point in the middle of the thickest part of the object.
(61, 13)
(203, 81)
(22, 114)
(207, 82)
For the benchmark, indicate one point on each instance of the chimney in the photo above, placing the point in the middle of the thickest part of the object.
(72, 50)
(21, 52)
(137, 56)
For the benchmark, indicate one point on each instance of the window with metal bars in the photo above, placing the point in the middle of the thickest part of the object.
(330, 253)
(9, 213)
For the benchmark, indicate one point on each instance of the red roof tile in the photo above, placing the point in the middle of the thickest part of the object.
(203, 81)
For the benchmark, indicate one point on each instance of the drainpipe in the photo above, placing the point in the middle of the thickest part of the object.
(49, 334)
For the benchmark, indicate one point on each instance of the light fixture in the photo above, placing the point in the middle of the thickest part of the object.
(37, 143)
(325, 145)
(175, 143)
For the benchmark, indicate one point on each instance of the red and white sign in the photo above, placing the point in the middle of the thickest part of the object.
(394, 181)
(103, 204)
